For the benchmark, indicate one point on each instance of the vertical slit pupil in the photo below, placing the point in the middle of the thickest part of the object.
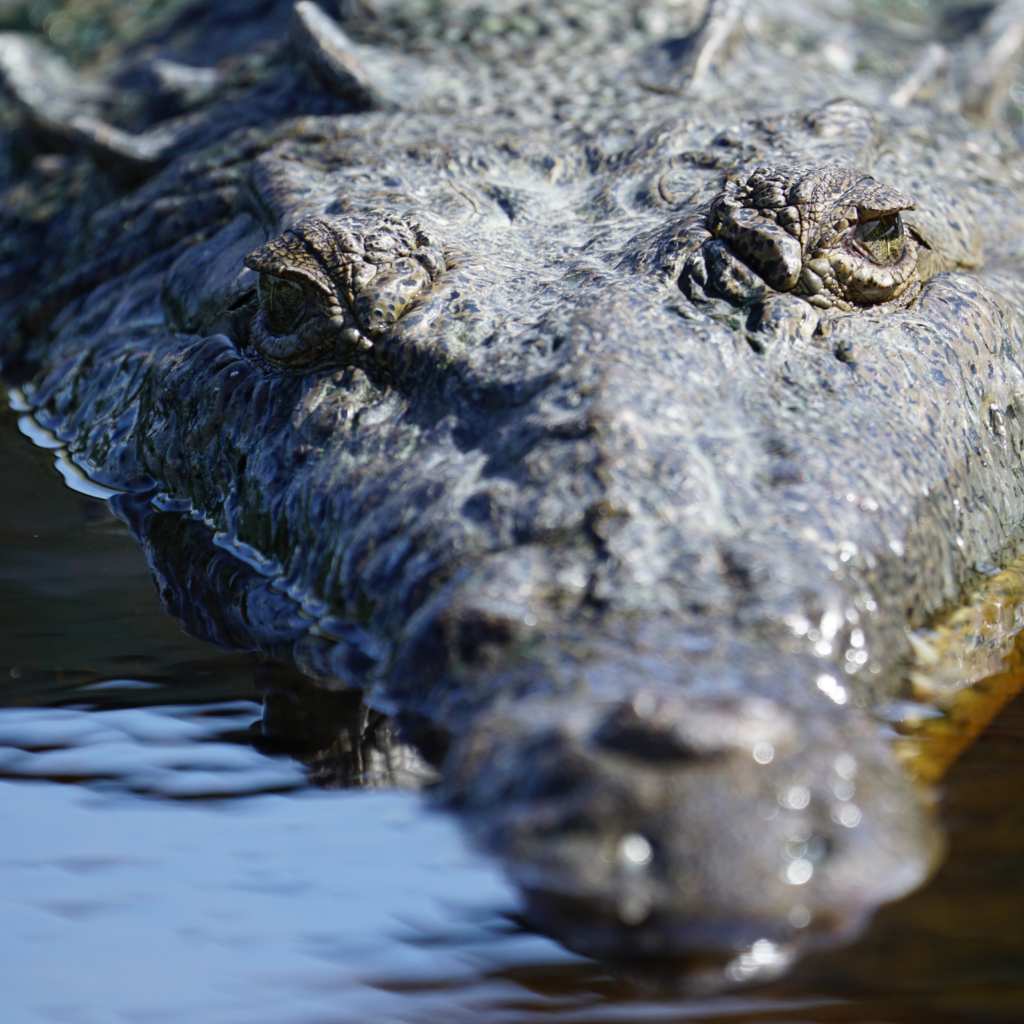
(883, 238)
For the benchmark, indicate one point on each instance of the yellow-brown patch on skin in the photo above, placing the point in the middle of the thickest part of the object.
(968, 680)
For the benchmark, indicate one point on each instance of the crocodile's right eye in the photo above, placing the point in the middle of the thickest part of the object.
(282, 302)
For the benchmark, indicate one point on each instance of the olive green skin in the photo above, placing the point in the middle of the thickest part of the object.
(644, 547)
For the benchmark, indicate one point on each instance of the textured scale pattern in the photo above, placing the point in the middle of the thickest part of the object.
(359, 274)
(800, 230)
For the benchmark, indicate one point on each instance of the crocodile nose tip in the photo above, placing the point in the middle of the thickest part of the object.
(698, 844)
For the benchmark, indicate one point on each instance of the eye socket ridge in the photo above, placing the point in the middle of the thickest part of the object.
(282, 302)
(882, 238)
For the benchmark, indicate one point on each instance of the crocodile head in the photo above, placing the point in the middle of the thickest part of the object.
(435, 376)
(531, 495)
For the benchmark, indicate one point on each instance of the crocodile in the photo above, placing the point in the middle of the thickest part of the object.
(608, 392)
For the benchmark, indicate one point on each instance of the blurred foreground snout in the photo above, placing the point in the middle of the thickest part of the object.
(731, 832)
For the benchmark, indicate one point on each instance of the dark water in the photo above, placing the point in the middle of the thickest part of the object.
(162, 859)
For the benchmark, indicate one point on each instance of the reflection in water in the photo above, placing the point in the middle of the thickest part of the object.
(268, 909)
(343, 743)
(268, 900)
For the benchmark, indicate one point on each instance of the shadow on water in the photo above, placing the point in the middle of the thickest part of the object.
(77, 605)
(197, 868)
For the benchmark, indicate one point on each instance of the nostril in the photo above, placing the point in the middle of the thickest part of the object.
(477, 633)
(819, 848)
(661, 727)
(648, 737)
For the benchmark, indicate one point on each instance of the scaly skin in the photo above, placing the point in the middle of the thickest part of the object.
(353, 279)
(567, 457)
(800, 228)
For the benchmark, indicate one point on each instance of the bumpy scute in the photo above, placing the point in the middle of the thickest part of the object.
(832, 235)
(330, 285)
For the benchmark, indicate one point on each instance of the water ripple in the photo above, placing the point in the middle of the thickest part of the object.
(171, 751)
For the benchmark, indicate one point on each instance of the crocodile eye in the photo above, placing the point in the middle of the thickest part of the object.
(882, 237)
(282, 302)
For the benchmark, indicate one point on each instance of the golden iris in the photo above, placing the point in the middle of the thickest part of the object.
(283, 303)
(883, 238)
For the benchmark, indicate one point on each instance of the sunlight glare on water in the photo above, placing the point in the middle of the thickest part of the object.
(164, 751)
(266, 909)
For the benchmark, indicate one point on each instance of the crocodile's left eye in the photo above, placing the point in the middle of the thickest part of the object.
(282, 302)
(882, 237)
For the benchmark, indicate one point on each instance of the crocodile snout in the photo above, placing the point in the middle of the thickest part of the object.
(666, 825)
